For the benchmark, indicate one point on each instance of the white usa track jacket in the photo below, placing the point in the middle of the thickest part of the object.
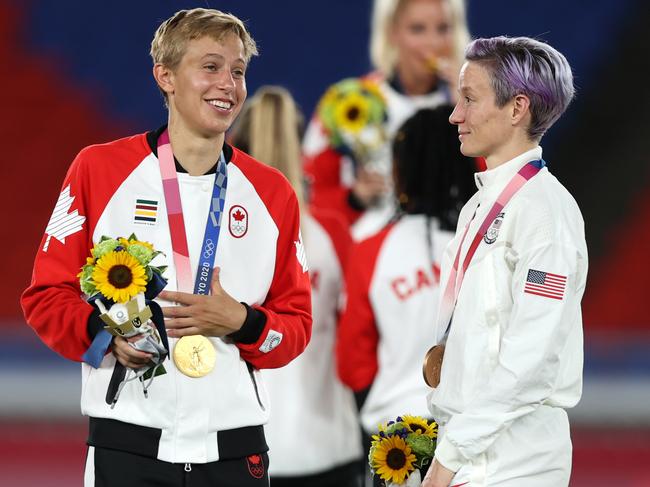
(262, 264)
(515, 342)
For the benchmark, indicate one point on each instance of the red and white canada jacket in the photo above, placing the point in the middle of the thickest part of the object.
(262, 262)
(393, 283)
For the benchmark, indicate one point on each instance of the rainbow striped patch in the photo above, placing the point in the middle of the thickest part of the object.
(146, 212)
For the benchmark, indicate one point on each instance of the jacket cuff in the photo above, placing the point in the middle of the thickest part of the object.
(449, 455)
(94, 324)
(252, 329)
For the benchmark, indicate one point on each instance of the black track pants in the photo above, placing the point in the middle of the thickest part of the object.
(113, 468)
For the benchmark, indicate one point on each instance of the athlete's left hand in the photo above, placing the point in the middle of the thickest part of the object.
(438, 476)
(217, 314)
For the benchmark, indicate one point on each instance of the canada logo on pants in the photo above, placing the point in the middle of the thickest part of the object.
(255, 466)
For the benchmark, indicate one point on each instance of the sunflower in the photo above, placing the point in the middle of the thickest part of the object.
(351, 114)
(392, 459)
(119, 276)
(419, 425)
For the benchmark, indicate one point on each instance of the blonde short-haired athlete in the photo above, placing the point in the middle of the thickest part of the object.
(416, 50)
(513, 356)
(203, 431)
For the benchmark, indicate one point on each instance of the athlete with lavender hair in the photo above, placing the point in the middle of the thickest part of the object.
(514, 277)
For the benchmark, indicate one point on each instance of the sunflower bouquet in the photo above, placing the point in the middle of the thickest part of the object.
(121, 281)
(119, 268)
(401, 452)
(353, 112)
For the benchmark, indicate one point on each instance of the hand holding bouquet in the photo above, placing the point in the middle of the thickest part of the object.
(119, 279)
(402, 451)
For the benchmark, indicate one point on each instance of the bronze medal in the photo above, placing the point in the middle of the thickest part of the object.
(194, 355)
(432, 365)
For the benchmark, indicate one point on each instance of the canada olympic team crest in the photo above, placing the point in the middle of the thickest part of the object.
(238, 221)
(493, 232)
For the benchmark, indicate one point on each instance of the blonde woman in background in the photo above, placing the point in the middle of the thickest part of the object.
(313, 432)
(416, 48)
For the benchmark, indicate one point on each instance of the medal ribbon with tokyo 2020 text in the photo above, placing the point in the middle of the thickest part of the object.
(177, 223)
(456, 275)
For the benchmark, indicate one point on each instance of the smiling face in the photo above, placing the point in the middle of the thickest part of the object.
(207, 89)
(484, 129)
(422, 31)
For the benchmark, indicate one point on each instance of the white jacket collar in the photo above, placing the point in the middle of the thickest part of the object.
(493, 180)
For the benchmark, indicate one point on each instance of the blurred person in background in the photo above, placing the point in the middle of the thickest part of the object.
(392, 278)
(514, 276)
(416, 47)
(200, 429)
(313, 431)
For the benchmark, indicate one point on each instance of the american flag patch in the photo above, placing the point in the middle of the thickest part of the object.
(146, 211)
(545, 284)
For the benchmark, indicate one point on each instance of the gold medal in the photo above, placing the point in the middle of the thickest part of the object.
(432, 365)
(194, 355)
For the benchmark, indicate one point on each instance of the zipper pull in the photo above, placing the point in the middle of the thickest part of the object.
(188, 467)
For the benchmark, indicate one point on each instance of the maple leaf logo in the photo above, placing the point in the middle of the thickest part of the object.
(238, 221)
(63, 224)
(300, 253)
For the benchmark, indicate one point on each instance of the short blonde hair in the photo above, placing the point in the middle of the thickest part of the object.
(384, 55)
(269, 128)
(170, 40)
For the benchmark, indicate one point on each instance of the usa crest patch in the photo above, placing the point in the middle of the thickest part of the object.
(492, 232)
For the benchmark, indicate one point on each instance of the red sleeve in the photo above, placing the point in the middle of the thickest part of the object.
(323, 169)
(357, 337)
(288, 303)
(53, 304)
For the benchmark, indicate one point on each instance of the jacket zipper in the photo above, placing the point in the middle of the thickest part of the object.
(257, 392)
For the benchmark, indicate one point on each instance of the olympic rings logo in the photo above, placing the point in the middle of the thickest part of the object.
(208, 249)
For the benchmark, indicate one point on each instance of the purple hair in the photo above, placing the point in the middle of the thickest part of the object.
(524, 66)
